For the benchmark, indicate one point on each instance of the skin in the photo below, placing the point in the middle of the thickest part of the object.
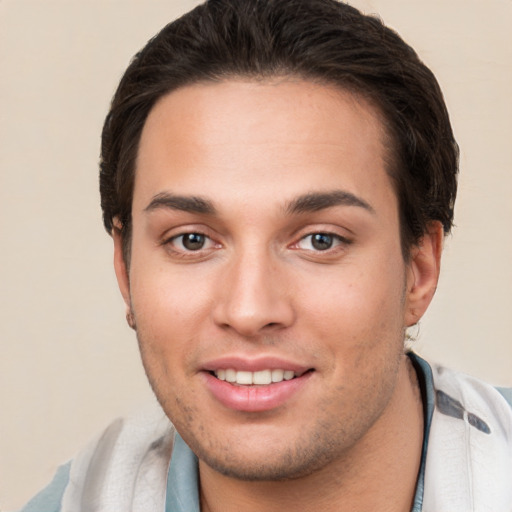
(259, 287)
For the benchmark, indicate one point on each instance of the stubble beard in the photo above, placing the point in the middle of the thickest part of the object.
(312, 450)
(289, 465)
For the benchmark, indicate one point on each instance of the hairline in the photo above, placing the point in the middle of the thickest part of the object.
(388, 137)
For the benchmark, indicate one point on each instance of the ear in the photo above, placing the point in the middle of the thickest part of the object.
(121, 269)
(423, 273)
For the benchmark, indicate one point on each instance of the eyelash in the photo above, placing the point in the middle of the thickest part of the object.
(335, 239)
(176, 244)
(183, 251)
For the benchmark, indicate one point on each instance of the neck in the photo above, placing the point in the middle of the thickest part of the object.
(379, 473)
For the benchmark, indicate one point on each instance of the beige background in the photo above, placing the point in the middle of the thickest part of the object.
(68, 363)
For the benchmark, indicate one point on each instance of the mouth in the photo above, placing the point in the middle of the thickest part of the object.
(256, 391)
(258, 384)
(258, 378)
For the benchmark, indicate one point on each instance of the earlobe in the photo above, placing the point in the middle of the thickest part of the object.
(423, 273)
(121, 270)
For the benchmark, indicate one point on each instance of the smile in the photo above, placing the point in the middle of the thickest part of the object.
(246, 378)
(255, 391)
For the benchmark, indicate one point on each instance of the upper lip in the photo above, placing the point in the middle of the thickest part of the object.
(254, 364)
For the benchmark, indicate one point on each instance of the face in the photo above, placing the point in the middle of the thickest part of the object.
(266, 280)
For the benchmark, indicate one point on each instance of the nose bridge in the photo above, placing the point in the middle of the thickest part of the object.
(254, 297)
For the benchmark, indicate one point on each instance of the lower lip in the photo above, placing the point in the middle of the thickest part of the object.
(255, 398)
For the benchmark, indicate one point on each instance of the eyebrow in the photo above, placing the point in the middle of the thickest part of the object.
(191, 204)
(311, 202)
(316, 201)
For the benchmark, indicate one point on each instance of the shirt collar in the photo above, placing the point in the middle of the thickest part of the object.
(182, 479)
(426, 383)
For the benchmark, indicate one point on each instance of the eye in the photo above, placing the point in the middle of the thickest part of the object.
(190, 242)
(321, 241)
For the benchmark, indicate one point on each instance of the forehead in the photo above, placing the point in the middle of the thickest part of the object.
(253, 135)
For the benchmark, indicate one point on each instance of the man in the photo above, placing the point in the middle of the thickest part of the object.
(277, 177)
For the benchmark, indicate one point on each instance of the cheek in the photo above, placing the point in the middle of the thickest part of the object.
(167, 295)
(168, 311)
(357, 299)
(359, 319)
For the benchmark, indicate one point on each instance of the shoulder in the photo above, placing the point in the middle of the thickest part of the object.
(507, 394)
(50, 498)
(469, 459)
(131, 453)
(454, 389)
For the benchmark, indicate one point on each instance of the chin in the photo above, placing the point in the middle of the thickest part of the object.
(288, 463)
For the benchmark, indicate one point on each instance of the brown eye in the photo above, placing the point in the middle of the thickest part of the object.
(193, 241)
(322, 241)
(192, 245)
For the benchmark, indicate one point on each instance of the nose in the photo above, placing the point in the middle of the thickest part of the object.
(254, 297)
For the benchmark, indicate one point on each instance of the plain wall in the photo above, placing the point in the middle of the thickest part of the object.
(68, 363)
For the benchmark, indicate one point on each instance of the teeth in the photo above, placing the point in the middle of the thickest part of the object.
(244, 377)
(230, 375)
(261, 377)
(277, 375)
